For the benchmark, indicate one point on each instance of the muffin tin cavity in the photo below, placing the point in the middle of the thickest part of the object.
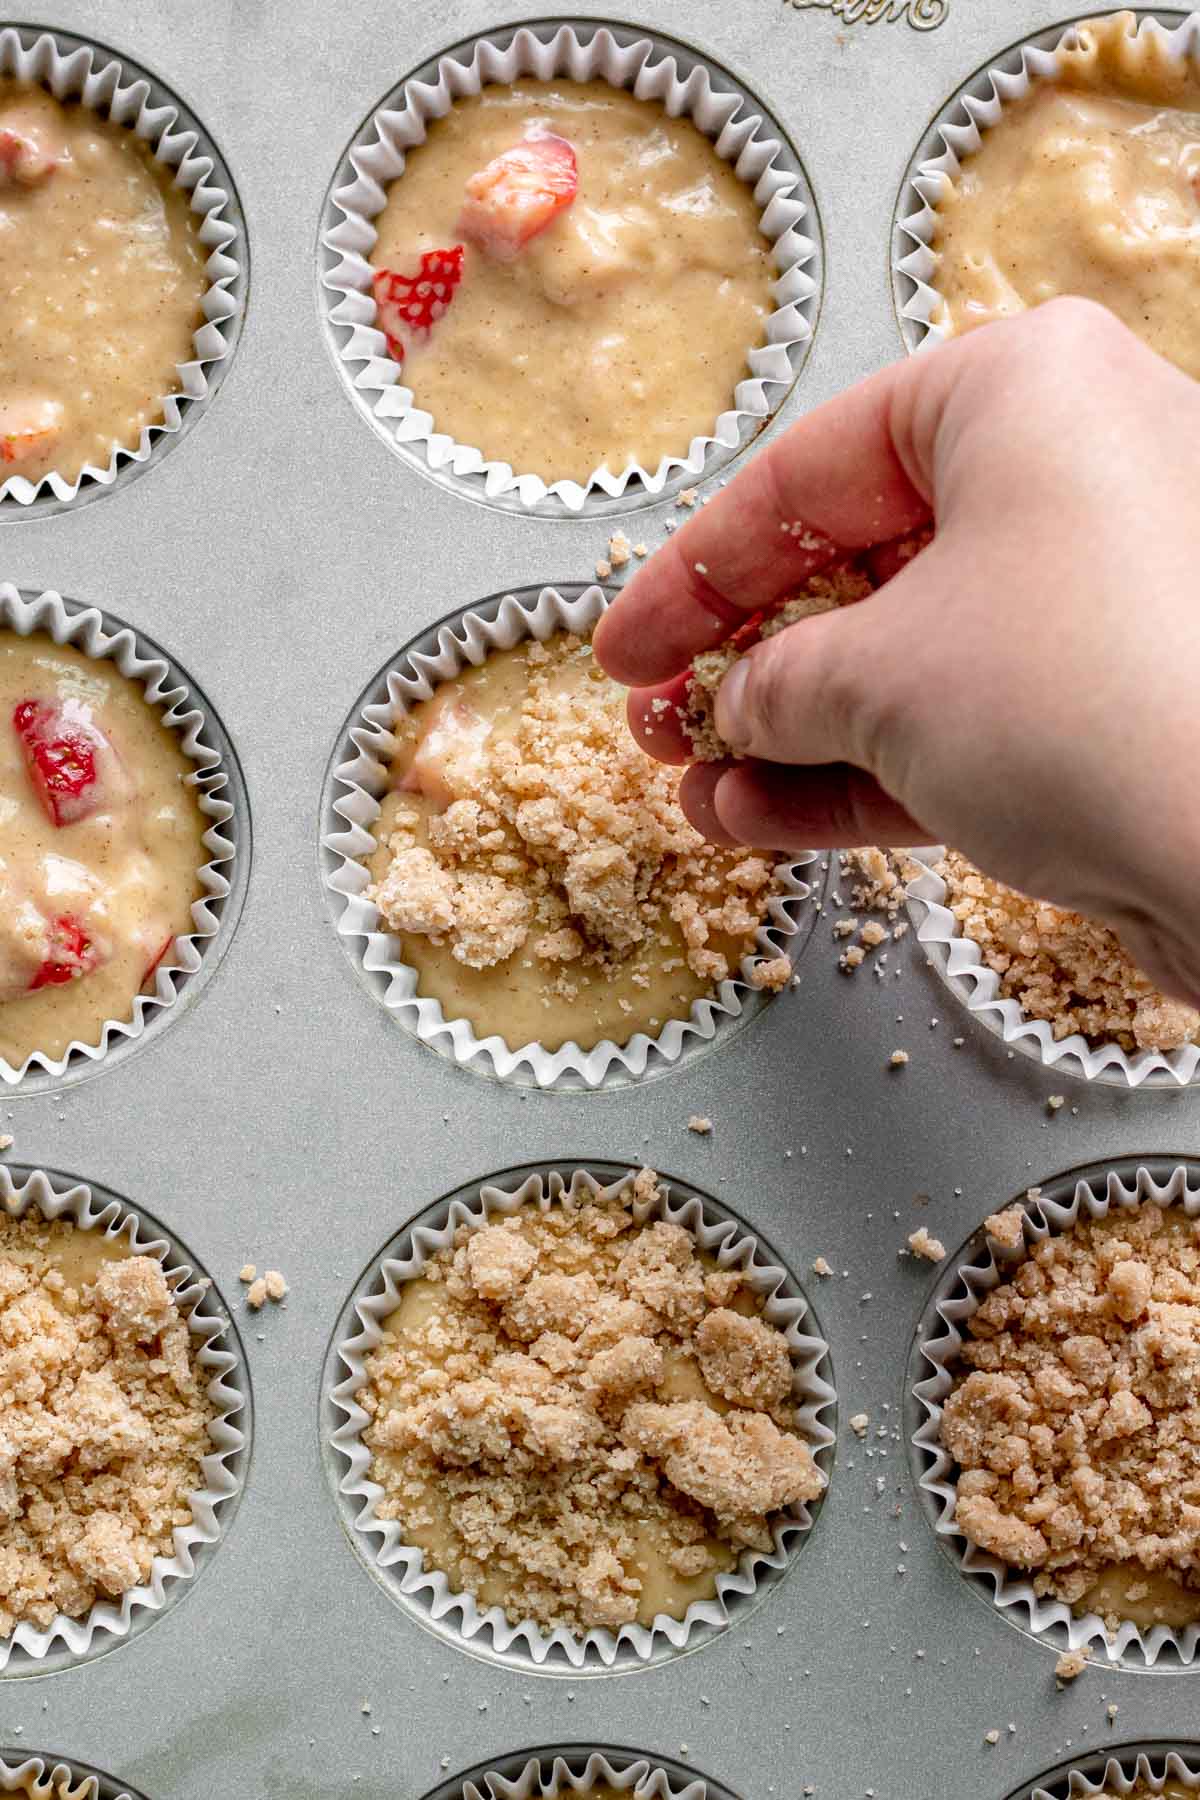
(654, 67)
(219, 1356)
(956, 132)
(425, 1595)
(357, 779)
(75, 68)
(221, 795)
(572, 1771)
(969, 1275)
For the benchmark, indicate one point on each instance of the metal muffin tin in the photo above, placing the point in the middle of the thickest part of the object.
(283, 554)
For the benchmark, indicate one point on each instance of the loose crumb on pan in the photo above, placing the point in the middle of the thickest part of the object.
(1070, 1665)
(859, 1423)
(270, 1285)
(6, 1142)
(247, 1272)
(898, 1059)
(931, 1248)
(566, 842)
(822, 1267)
(1062, 968)
(687, 497)
(574, 1398)
(700, 1124)
(103, 1424)
(773, 974)
(1073, 1417)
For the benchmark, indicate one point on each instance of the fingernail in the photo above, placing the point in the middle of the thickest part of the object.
(731, 699)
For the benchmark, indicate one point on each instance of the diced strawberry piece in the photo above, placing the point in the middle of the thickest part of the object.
(25, 157)
(520, 193)
(28, 428)
(72, 953)
(65, 753)
(414, 303)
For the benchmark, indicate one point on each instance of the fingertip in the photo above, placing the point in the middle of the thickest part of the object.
(697, 796)
(656, 719)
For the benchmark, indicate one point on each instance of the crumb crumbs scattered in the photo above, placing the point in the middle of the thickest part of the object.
(619, 550)
(247, 1272)
(1070, 1665)
(276, 1286)
(898, 1059)
(603, 569)
(641, 550)
(6, 1142)
(687, 497)
(922, 1244)
(991, 1737)
(700, 1124)
(859, 1423)
(821, 1267)
(772, 974)
(1056, 1102)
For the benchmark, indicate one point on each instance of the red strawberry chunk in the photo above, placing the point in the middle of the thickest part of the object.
(520, 192)
(71, 954)
(62, 746)
(414, 303)
(25, 157)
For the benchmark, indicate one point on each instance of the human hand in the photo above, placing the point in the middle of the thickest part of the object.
(1027, 688)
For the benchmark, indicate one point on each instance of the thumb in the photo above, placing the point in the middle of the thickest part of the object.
(814, 692)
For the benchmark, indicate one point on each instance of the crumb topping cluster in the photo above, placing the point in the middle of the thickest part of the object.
(1061, 967)
(1076, 1428)
(584, 1389)
(820, 594)
(565, 843)
(103, 1422)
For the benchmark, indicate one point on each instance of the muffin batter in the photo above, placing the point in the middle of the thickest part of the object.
(616, 332)
(1141, 1790)
(101, 279)
(582, 1420)
(537, 867)
(97, 876)
(1074, 1421)
(1089, 185)
(104, 1419)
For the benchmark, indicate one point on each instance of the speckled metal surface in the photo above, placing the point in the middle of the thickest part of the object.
(281, 554)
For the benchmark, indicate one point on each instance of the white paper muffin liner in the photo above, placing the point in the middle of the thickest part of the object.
(1122, 1772)
(959, 961)
(652, 68)
(427, 1593)
(36, 1190)
(85, 72)
(47, 1777)
(359, 781)
(87, 630)
(957, 133)
(983, 1264)
(572, 1771)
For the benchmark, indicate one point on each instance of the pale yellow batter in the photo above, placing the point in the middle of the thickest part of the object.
(101, 279)
(619, 332)
(1159, 1599)
(126, 872)
(1089, 185)
(527, 997)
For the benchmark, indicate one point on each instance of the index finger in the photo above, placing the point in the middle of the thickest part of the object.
(832, 483)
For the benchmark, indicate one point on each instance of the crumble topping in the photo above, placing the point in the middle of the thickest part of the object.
(1061, 967)
(583, 1419)
(820, 594)
(270, 1285)
(1070, 1665)
(103, 1422)
(564, 841)
(1075, 1427)
(922, 1244)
